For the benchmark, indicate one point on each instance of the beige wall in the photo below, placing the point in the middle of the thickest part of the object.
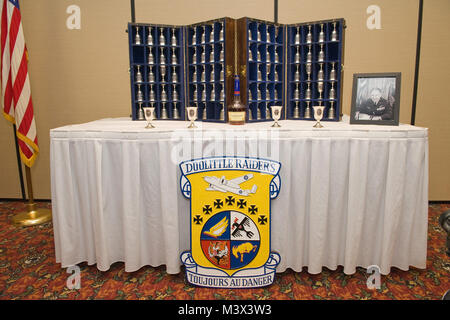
(433, 109)
(82, 75)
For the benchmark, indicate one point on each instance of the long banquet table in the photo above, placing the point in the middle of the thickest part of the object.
(351, 195)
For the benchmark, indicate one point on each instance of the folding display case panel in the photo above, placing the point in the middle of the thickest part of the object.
(262, 53)
(297, 66)
(210, 51)
(314, 67)
(157, 70)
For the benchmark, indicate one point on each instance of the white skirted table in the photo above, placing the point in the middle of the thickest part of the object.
(351, 195)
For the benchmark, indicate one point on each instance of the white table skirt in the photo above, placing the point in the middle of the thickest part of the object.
(351, 195)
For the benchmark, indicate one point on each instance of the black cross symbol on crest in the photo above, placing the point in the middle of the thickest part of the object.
(207, 209)
(241, 203)
(218, 203)
(253, 209)
(198, 219)
(262, 220)
(229, 200)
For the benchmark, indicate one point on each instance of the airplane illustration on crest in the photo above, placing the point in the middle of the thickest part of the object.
(224, 185)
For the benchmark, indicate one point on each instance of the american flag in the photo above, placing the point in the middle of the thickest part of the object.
(16, 90)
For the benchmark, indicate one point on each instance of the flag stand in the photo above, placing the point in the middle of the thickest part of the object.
(32, 216)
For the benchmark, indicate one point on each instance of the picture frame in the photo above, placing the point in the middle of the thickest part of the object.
(376, 98)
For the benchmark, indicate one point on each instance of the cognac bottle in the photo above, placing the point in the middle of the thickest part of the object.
(236, 110)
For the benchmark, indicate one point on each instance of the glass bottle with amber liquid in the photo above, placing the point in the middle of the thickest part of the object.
(236, 110)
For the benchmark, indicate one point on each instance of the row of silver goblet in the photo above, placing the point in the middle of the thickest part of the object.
(321, 36)
(203, 55)
(261, 105)
(150, 38)
(267, 88)
(309, 55)
(260, 73)
(164, 96)
(320, 72)
(151, 75)
(163, 59)
(219, 95)
(202, 30)
(259, 57)
(258, 37)
(218, 73)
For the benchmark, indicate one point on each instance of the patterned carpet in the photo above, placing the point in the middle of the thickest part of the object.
(28, 271)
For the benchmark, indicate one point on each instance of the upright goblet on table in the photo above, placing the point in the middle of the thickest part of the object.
(276, 115)
(192, 116)
(149, 113)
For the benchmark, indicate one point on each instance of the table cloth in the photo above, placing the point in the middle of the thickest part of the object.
(351, 195)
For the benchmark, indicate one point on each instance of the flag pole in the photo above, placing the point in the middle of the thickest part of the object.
(32, 216)
(19, 165)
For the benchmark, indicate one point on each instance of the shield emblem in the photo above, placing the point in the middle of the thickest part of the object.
(230, 221)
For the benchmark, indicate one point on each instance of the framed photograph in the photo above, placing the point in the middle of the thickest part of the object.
(375, 98)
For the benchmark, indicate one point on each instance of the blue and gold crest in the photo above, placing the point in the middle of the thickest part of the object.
(230, 221)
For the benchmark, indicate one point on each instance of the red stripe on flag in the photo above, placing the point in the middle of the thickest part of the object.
(20, 77)
(4, 31)
(7, 99)
(14, 28)
(25, 149)
(27, 119)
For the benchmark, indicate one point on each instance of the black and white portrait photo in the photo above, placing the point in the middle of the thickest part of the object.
(375, 99)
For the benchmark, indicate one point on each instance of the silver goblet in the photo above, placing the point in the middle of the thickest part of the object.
(331, 111)
(307, 110)
(137, 38)
(333, 73)
(221, 33)
(276, 115)
(321, 57)
(296, 111)
(192, 116)
(194, 38)
(164, 113)
(174, 38)
(140, 112)
(175, 112)
(138, 74)
(222, 112)
(297, 36)
(139, 95)
(162, 40)
(309, 55)
(150, 37)
(318, 115)
(309, 70)
(309, 35)
(321, 34)
(320, 73)
(334, 33)
(149, 113)
(297, 55)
